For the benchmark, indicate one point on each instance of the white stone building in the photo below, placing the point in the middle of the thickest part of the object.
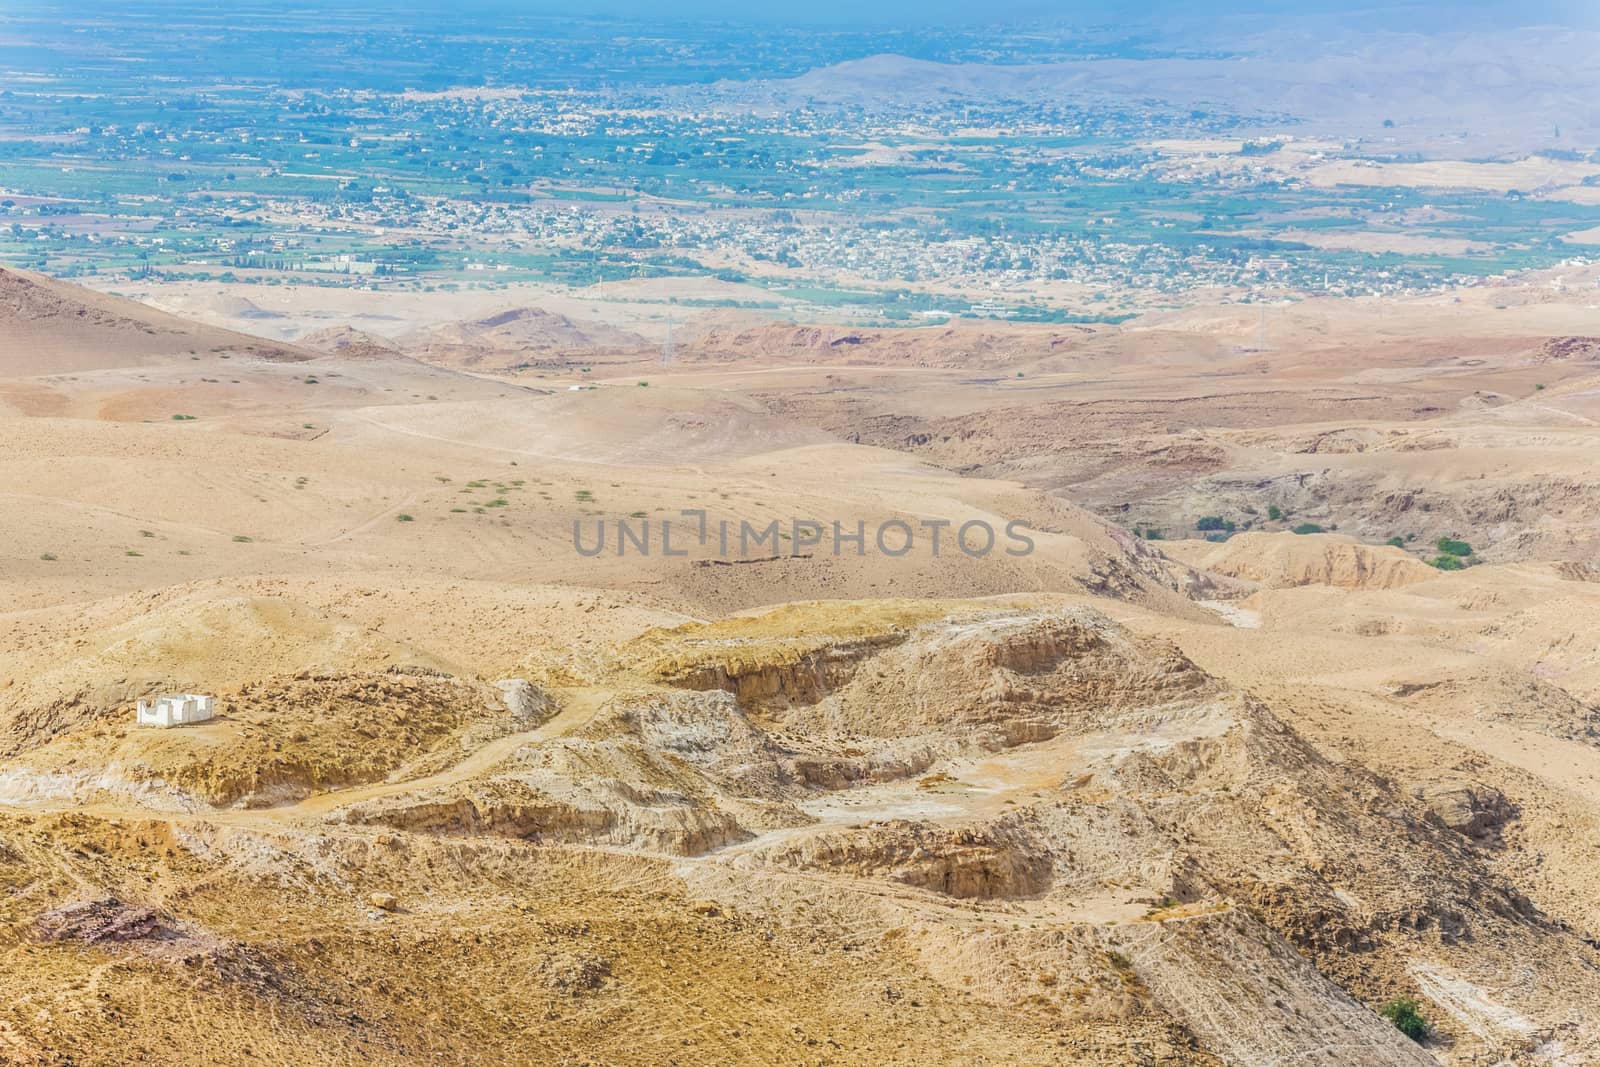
(179, 710)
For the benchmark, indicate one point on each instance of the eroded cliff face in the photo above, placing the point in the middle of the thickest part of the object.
(1023, 806)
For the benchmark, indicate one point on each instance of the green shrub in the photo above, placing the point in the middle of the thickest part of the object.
(1447, 563)
(1398, 542)
(1453, 548)
(1407, 1019)
(403, 517)
(241, 539)
(183, 418)
(1208, 523)
(48, 557)
(1274, 513)
(1308, 528)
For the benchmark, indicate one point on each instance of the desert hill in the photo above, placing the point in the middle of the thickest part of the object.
(967, 346)
(513, 337)
(1284, 559)
(54, 328)
(348, 341)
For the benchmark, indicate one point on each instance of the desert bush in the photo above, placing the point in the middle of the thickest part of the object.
(1407, 1017)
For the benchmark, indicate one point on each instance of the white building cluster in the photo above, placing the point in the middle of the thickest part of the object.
(179, 710)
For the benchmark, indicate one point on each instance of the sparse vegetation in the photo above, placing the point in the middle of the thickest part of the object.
(1308, 528)
(183, 418)
(584, 496)
(1274, 513)
(241, 539)
(1397, 541)
(1447, 563)
(1407, 1017)
(48, 557)
(403, 517)
(1210, 523)
(1451, 547)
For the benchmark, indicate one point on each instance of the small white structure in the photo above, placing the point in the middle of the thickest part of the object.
(179, 710)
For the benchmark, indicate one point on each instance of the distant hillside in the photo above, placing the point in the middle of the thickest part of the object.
(53, 327)
(732, 337)
(512, 337)
(1507, 92)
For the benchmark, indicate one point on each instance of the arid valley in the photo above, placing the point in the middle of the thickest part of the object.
(680, 535)
(473, 796)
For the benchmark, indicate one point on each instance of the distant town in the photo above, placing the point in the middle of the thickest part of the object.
(887, 207)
